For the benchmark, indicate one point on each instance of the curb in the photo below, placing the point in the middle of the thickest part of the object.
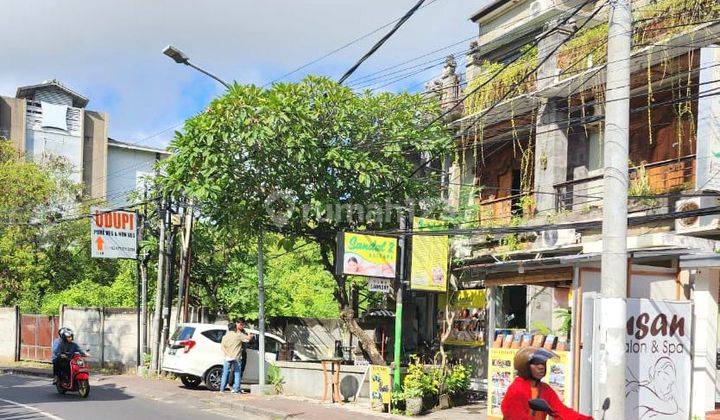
(27, 372)
(266, 412)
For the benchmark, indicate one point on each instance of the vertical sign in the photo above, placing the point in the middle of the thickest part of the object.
(658, 359)
(708, 127)
(380, 384)
(429, 262)
(113, 234)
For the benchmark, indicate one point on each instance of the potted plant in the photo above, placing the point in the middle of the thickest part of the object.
(418, 385)
(457, 384)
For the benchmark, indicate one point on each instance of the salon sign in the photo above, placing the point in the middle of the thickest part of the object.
(659, 361)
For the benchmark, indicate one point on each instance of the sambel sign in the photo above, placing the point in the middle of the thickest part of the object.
(113, 234)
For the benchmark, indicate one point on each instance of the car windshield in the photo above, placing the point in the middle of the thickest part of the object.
(182, 333)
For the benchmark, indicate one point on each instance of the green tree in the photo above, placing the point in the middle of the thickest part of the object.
(304, 146)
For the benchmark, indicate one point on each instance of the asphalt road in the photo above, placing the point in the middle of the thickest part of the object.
(25, 398)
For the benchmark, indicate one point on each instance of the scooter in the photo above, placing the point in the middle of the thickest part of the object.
(538, 404)
(79, 378)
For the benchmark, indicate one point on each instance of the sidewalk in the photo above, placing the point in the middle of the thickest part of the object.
(251, 406)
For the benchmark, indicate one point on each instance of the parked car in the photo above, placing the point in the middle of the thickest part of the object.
(195, 355)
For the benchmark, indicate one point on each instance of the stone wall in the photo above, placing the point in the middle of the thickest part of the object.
(9, 325)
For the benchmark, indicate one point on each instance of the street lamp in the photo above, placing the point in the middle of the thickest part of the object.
(180, 58)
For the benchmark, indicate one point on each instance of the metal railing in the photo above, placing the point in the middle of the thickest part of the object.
(651, 178)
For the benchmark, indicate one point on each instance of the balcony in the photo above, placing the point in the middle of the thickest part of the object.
(502, 210)
(661, 177)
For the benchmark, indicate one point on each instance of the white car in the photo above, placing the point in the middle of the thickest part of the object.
(195, 355)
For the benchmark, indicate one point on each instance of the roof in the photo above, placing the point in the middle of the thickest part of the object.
(79, 101)
(134, 146)
(488, 8)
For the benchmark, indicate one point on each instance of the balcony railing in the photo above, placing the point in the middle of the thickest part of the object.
(500, 211)
(649, 179)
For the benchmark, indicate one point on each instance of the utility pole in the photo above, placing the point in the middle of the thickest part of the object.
(610, 344)
(138, 290)
(143, 281)
(261, 310)
(397, 342)
(164, 214)
(169, 273)
(183, 277)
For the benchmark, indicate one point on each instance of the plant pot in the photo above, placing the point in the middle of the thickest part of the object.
(413, 406)
(443, 401)
(459, 399)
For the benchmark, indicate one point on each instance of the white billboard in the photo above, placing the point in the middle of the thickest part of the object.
(113, 234)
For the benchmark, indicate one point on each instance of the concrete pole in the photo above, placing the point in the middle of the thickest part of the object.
(261, 311)
(397, 343)
(155, 361)
(610, 374)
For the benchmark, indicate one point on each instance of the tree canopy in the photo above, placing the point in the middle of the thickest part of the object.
(278, 159)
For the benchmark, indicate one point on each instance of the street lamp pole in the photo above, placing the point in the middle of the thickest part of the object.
(180, 58)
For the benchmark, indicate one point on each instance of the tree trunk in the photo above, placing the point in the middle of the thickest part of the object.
(347, 316)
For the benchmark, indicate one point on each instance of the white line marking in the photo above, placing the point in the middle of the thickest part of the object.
(31, 408)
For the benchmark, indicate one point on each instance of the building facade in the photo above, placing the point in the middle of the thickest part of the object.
(529, 154)
(51, 120)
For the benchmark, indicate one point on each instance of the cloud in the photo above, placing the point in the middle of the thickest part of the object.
(110, 50)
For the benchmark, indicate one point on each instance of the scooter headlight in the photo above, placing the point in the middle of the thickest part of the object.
(80, 362)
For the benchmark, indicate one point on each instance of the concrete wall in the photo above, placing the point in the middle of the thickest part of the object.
(9, 325)
(306, 380)
(109, 333)
(95, 131)
(12, 121)
(124, 168)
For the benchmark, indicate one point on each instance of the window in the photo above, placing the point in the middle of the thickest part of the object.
(595, 149)
(215, 335)
(182, 333)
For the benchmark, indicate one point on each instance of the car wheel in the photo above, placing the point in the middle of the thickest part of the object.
(190, 381)
(213, 377)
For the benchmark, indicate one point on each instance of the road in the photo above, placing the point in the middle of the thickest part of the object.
(34, 398)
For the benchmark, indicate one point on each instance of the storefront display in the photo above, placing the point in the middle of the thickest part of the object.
(469, 320)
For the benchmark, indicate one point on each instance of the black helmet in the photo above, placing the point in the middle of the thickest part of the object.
(529, 356)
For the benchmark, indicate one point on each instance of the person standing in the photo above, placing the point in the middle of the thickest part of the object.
(246, 338)
(232, 346)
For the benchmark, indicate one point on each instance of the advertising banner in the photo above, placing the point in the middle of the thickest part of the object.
(113, 234)
(501, 374)
(658, 359)
(429, 262)
(469, 323)
(380, 384)
(369, 255)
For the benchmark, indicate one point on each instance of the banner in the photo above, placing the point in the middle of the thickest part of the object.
(658, 359)
(469, 323)
(113, 234)
(380, 384)
(501, 374)
(368, 255)
(429, 262)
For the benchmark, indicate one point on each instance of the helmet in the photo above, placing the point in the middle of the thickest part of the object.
(530, 355)
(66, 333)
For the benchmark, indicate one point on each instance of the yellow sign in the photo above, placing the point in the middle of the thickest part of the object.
(429, 269)
(369, 255)
(501, 374)
(468, 309)
(380, 384)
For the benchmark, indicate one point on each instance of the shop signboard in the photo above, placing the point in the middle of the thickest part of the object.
(658, 359)
(501, 374)
(380, 384)
(113, 234)
(429, 260)
(379, 285)
(469, 323)
(367, 255)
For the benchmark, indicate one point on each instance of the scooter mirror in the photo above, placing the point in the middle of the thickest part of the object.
(538, 404)
(606, 404)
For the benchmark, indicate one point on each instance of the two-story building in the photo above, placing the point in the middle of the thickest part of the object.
(529, 153)
(50, 119)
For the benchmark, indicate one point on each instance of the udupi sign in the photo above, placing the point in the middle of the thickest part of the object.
(657, 348)
(113, 234)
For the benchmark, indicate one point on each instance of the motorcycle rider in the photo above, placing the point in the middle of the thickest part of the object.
(64, 345)
(531, 365)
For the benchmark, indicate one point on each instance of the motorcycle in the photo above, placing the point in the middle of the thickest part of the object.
(78, 380)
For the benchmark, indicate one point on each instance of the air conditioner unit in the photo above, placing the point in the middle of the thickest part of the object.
(697, 225)
(556, 238)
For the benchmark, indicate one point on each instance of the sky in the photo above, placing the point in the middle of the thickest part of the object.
(110, 50)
